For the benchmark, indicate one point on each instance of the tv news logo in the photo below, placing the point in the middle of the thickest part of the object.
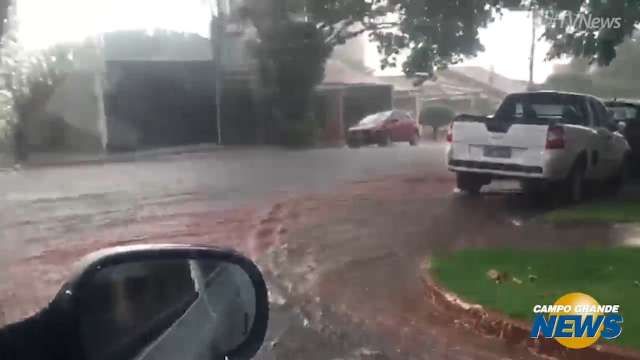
(577, 321)
(584, 21)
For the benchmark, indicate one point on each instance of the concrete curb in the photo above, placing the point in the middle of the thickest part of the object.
(73, 159)
(99, 159)
(513, 332)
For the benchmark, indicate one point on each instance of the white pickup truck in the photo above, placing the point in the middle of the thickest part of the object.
(547, 140)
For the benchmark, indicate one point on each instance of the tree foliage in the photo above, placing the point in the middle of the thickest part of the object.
(618, 79)
(29, 79)
(291, 57)
(437, 33)
(434, 33)
(579, 39)
(428, 34)
(436, 117)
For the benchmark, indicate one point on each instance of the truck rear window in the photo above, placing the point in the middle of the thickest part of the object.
(541, 107)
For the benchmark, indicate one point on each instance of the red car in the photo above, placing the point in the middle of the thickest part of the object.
(384, 128)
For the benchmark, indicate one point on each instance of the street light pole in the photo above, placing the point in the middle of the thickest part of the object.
(532, 53)
(217, 36)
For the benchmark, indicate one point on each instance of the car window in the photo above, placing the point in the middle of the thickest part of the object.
(377, 118)
(396, 115)
(402, 116)
(590, 111)
(622, 112)
(601, 115)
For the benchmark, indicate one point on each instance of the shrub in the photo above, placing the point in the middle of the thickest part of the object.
(436, 117)
(292, 57)
(569, 82)
(297, 133)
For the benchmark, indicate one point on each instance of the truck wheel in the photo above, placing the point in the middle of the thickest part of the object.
(469, 183)
(575, 184)
(617, 181)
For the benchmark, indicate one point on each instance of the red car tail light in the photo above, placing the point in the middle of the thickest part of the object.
(450, 133)
(555, 138)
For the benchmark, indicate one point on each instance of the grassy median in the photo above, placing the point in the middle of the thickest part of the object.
(610, 211)
(513, 281)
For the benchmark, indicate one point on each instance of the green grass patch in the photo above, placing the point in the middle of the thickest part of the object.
(618, 211)
(611, 276)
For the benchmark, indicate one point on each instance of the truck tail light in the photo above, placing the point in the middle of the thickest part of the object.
(450, 133)
(555, 138)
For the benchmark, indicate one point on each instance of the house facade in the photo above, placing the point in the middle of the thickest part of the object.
(131, 90)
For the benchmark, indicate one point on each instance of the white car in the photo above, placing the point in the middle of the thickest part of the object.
(548, 140)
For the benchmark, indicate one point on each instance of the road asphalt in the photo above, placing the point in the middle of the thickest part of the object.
(339, 233)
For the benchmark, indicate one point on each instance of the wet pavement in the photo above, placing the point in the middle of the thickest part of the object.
(359, 263)
(339, 233)
(38, 204)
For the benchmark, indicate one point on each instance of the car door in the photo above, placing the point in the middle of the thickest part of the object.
(403, 126)
(603, 156)
(394, 126)
(414, 125)
(409, 126)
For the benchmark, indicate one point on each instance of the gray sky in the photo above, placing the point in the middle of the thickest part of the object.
(46, 22)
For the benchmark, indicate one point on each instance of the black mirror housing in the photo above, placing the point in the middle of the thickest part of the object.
(133, 300)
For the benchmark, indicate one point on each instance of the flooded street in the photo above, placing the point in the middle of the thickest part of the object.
(341, 246)
(361, 264)
(48, 204)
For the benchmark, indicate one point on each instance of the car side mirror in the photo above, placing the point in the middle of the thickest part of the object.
(158, 302)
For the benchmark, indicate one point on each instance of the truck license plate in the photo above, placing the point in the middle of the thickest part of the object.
(497, 151)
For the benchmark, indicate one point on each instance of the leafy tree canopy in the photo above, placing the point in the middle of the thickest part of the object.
(587, 39)
(437, 33)
(436, 116)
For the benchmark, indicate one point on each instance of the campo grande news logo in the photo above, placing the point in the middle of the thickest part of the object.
(577, 321)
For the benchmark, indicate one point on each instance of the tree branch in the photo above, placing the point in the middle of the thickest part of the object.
(342, 34)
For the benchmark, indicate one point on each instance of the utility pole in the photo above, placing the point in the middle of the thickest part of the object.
(532, 53)
(217, 36)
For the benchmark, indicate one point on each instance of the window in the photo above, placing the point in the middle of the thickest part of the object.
(519, 113)
(403, 116)
(591, 112)
(601, 115)
(624, 113)
(542, 107)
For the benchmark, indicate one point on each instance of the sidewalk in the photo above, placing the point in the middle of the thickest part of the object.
(43, 159)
